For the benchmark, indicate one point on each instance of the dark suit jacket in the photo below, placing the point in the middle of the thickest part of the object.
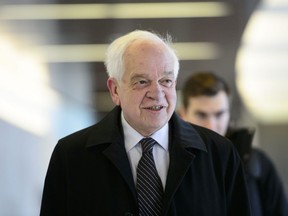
(89, 174)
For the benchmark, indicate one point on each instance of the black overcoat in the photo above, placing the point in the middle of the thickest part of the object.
(89, 174)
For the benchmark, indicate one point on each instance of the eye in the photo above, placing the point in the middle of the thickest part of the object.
(219, 114)
(167, 82)
(201, 115)
(141, 83)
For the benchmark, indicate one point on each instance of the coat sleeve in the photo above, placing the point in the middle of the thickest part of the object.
(54, 192)
(270, 187)
(236, 187)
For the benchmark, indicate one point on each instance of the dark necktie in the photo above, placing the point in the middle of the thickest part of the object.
(149, 185)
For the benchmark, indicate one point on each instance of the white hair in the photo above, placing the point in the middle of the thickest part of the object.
(114, 61)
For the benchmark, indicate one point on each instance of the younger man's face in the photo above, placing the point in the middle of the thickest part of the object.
(209, 111)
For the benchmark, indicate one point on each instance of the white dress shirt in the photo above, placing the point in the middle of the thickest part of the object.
(134, 150)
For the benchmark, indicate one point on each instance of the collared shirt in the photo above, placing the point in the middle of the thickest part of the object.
(134, 150)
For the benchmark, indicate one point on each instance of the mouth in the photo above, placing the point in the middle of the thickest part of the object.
(154, 108)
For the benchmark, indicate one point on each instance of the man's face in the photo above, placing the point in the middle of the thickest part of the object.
(209, 111)
(146, 93)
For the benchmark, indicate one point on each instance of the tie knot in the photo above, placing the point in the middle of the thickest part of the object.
(147, 144)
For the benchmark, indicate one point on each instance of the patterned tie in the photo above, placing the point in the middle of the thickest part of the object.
(149, 185)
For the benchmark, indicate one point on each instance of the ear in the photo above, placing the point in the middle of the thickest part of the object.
(112, 85)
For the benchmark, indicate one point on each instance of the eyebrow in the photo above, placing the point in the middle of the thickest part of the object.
(137, 76)
(214, 113)
(168, 73)
(201, 112)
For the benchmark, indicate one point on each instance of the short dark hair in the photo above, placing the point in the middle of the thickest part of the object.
(203, 83)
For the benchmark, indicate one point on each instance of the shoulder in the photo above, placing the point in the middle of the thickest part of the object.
(221, 153)
(189, 130)
(211, 136)
(105, 131)
(215, 144)
(218, 146)
(261, 157)
(77, 137)
(214, 140)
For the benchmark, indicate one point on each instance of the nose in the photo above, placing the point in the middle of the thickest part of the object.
(155, 91)
(211, 124)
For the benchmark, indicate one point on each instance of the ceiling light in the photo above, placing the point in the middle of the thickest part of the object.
(114, 11)
(96, 52)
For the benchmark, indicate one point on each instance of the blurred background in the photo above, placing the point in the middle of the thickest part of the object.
(53, 80)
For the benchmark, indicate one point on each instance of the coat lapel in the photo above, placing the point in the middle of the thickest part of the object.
(109, 132)
(183, 139)
(118, 156)
(180, 161)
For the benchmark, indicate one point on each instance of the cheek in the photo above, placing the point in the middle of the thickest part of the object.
(171, 96)
(227, 118)
(192, 118)
(225, 121)
(190, 115)
(133, 98)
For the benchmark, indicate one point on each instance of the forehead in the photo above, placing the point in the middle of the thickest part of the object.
(144, 53)
(145, 45)
(210, 103)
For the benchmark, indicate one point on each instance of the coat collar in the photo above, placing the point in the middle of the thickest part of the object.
(185, 134)
(109, 130)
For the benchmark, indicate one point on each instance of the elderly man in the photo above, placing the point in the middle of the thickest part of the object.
(142, 159)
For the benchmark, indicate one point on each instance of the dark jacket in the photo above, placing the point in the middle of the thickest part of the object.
(267, 195)
(89, 174)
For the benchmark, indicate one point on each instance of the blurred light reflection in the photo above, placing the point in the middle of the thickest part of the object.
(262, 63)
(37, 108)
(26, 98)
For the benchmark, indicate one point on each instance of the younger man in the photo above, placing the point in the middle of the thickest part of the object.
(206, 102)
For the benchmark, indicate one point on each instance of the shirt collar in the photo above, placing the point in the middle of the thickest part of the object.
(132, 137)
